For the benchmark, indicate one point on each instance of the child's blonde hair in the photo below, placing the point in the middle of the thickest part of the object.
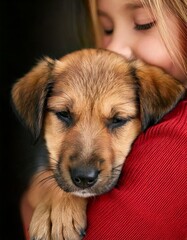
(177, 8)
(160, 8)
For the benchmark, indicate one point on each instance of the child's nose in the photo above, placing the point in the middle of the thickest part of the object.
(128, 53)
(125, 51)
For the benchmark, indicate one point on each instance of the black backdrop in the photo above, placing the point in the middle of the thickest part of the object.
(29, 30)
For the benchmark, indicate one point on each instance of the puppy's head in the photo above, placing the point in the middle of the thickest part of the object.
(90, 106)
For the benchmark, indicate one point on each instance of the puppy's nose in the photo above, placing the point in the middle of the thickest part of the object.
(84, 177)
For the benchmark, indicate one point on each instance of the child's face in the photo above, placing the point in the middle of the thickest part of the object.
(130, 30)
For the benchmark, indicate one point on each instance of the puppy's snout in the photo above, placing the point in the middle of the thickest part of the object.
(84, 177)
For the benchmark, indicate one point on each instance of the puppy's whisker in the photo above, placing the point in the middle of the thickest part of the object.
(51, 183)
(41, 172)
(117, 167)
(52, 167)
(116, 170)
(53, 159)
(48, 178)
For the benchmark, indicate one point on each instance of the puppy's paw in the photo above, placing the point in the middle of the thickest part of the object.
(40, 226)
(64, 219)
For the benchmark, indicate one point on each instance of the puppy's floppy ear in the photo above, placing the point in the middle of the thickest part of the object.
(29, 95)
(158, 92)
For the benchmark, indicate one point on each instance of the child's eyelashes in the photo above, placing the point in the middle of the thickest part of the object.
(146, 26)
(138, 27)
(108, 31)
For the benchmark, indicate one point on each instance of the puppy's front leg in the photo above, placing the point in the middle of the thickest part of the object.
(71, 223)
(58, 216)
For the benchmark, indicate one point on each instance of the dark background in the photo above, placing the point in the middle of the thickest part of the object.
(29, 30)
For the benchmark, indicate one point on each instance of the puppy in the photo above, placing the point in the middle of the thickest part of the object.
(89, 106)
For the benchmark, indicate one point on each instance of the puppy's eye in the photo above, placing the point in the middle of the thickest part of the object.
(65, 116)
(117, 122)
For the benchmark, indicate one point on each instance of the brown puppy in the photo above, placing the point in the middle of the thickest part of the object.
(89, 106)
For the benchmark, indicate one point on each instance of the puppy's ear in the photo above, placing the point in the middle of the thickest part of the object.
(158, 92)
(29, 95)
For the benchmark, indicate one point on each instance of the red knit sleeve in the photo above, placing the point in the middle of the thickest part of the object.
(150, 200)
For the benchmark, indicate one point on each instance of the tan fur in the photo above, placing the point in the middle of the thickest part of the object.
(89, 106)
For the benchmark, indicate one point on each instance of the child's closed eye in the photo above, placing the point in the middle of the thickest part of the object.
(146, 26)
(108, 31)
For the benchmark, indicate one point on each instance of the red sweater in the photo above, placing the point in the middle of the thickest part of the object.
(150, 201)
